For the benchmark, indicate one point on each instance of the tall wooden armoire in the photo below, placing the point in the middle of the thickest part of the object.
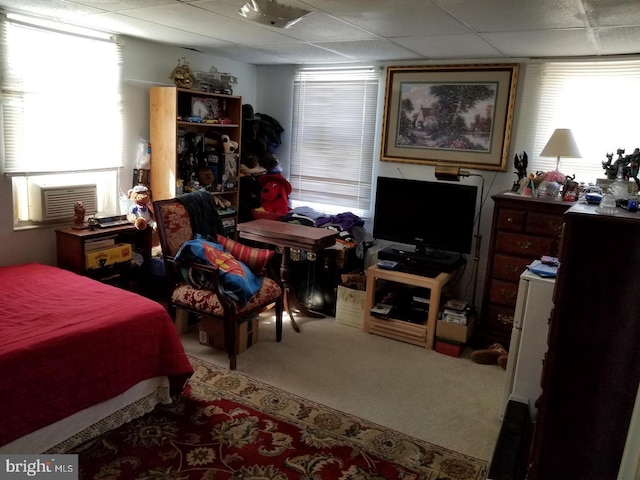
(592, 367)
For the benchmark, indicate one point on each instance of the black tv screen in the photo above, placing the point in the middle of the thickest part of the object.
(429, 215)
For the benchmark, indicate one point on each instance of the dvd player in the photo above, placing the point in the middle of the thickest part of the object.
(107, 221)
(433, 262)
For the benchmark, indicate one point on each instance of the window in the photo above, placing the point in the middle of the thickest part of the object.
(597, 100)
(333, 136)
(62, 114)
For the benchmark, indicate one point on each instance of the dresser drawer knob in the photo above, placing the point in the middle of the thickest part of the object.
(524, 245)
(510, 220)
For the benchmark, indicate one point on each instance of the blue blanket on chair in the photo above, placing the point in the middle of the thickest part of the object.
(237, 280)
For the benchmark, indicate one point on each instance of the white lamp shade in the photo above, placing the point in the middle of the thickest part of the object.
(561, 144)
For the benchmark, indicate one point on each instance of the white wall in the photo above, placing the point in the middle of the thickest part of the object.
(274, 91)
(145, 64)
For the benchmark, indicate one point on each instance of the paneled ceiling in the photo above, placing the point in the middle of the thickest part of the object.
(348, 31)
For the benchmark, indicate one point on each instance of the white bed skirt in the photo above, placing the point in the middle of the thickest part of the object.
(61, 436)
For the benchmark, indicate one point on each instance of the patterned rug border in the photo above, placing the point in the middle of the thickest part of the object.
(368, 435)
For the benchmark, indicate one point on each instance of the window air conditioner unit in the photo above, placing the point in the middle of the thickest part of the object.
(48, 203)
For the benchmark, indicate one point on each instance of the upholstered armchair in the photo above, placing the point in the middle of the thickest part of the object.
(221, 279)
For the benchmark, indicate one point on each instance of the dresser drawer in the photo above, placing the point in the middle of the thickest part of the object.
(503, 293)
(525, 245)
(511, 220)
(499, 318)
(544, 224)
(506, 267)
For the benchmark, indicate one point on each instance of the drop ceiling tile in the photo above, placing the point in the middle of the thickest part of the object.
(190, 18)
(450, 46)
(393, 19)
(56, 9)
(371, 50)
(618, 40)
(308, 54)
(251, 55)
(314, 27)
(606, 13)
(556, 43)
(516, 15)
(118, 5)
(134, 27)
(435, 29)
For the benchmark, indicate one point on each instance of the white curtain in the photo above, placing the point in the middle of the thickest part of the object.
(61, 107)
(333, 137)
(597, 100)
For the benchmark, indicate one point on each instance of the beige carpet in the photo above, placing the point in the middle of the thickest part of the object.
(449, 401)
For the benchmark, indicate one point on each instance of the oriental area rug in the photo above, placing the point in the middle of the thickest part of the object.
(229, 426)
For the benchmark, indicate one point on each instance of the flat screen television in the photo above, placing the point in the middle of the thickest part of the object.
(432, 216)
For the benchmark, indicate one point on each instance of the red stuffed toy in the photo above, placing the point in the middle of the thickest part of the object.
(274, 194)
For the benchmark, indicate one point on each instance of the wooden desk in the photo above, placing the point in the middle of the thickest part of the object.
(70, 243)
(288, 236)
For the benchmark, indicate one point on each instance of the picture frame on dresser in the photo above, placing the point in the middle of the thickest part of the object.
(460, 114)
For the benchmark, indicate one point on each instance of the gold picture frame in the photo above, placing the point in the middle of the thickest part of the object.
(449, 114)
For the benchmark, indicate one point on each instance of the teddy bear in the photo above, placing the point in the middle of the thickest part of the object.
(274, 194)
(139, 212)
(494, 354)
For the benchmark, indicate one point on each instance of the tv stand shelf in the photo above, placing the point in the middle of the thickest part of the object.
(417, 334)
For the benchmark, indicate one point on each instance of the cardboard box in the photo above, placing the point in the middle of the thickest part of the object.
(212, 334)
(121, 252)
(449, 347)
(350, 306)
(455, 331)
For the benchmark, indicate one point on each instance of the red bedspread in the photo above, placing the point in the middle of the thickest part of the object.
(68, 342)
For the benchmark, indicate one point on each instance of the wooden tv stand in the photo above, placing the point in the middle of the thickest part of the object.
(417, 334)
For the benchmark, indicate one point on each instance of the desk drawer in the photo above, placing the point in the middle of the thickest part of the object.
(526, 245)
(506, 267)
(503, 293)
(511, 220)
(500, 317)
(544, 224)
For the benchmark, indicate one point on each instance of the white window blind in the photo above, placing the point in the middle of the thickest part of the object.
(333, 135)
(597, 100)
(61, 100)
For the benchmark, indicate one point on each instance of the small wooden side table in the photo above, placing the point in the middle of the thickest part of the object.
(71, 243)
(288, 236)
(423, 334)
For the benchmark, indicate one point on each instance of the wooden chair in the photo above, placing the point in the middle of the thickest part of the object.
(175, 227)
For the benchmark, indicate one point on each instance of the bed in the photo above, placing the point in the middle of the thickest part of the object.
(79, 357)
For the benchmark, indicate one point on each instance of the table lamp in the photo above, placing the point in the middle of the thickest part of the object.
(561, 144)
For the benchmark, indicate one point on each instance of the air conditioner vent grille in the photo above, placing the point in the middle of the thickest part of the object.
(50, 204)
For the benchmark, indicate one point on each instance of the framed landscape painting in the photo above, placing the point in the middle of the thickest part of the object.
(450, 114)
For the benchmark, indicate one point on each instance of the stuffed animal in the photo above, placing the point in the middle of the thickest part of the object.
(139, 213)
(228, 145)
(249, 165)
(274, 194)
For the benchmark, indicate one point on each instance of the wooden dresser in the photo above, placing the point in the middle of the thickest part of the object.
(523, 229)
(592, 367)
